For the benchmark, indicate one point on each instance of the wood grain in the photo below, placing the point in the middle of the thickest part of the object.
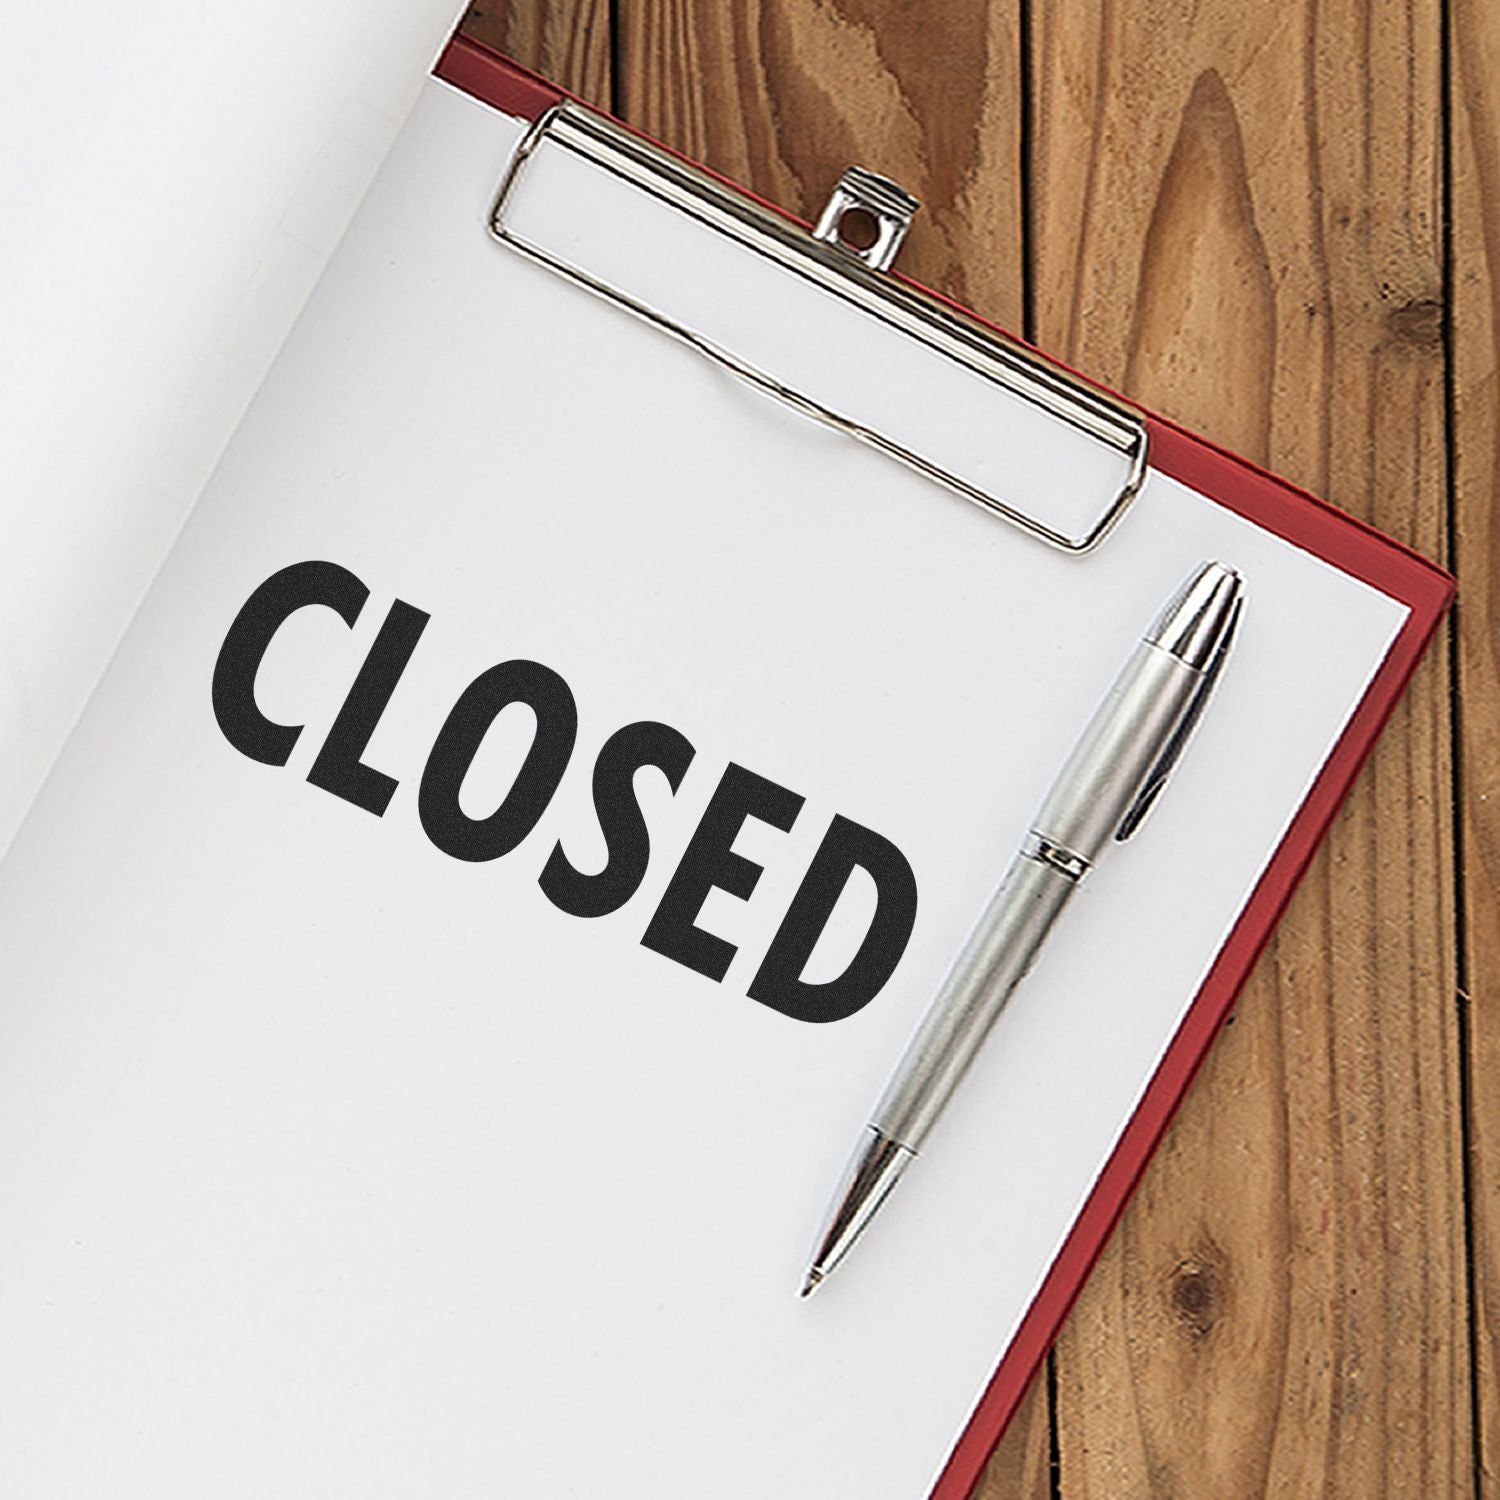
(567, 41)
(1238, 221)
(1474, 120)
(782, 95)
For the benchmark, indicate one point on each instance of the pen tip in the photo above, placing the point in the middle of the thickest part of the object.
(809, 1286)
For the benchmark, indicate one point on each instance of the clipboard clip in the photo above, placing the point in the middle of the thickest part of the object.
(848, 254)
(867, 217)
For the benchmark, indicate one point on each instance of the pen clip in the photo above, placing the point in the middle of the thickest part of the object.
(1156, 777)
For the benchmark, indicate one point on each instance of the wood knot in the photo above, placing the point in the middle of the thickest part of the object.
(1417, 323)
(1197, 1292)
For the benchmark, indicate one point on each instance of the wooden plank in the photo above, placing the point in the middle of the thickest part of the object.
(1237, 220)
(782, 96)
(1474, 116)
(567, 41)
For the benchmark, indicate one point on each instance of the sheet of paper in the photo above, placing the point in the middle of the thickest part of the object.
(171, 184)
(331, 1164)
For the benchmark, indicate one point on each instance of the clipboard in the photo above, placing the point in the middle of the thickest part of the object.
(1135, 463)
(1232, 481)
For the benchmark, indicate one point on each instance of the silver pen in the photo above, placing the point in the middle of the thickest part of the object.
(1102, 792)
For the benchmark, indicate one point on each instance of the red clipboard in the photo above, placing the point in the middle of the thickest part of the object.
(1299, 518)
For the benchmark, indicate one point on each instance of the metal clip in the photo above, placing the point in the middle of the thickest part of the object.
(867, 216)
(838, 260)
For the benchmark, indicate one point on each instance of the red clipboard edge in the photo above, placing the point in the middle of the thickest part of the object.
(1299, 518)
(496, 80)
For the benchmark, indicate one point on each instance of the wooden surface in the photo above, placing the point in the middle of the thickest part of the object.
(1474, 433)
(1278, 221)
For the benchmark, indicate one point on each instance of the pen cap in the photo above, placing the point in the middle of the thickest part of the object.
(1193, 622)
(1143, 716)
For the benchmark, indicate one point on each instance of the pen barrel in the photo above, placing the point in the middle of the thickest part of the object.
(1128, 733)
(999, 952)
(1093, 791)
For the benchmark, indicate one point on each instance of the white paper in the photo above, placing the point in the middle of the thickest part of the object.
(171, 183)
(333, 1166)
